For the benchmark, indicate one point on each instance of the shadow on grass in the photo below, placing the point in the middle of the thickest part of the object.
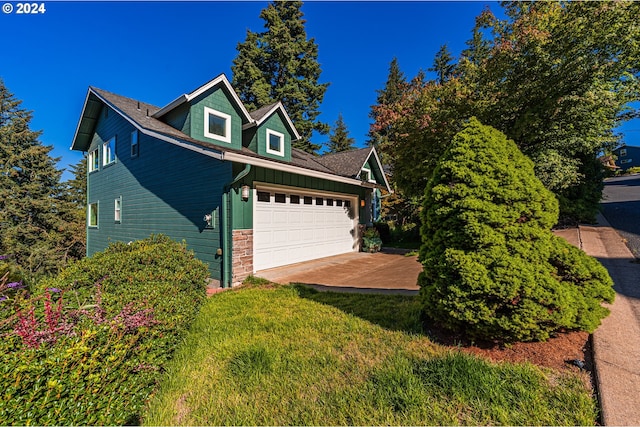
(392, 312)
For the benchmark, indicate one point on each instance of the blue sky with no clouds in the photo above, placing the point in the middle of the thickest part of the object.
(155, 51)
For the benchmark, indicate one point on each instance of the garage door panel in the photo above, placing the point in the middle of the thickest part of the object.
(286, 233)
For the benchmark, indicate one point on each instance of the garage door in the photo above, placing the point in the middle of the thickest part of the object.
(291, 226)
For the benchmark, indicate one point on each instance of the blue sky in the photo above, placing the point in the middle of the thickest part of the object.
(155, 51)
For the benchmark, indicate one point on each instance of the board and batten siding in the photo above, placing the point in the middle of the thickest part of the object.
(164, 189)
(242, 211)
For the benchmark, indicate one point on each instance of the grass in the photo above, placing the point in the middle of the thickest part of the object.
(287, 355)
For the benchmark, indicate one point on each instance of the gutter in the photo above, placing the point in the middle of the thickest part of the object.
(227, 229)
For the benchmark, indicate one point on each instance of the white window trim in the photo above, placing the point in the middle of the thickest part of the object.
(623, 152)
(106, 152)
(135, 142)
(279, 152)
(208, 111)
(117, 209)
(97, 207)
(370, 177)
(91, 160)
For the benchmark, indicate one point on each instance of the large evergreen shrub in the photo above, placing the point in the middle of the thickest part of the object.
(492, 267)
(90, 347)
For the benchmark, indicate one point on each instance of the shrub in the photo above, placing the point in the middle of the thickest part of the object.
(492, 267)
(90, 346)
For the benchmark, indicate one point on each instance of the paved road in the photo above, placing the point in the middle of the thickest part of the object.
(621, 207)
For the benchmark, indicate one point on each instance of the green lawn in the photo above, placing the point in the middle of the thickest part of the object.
(273, 355)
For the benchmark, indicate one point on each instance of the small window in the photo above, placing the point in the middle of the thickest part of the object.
(135, 148)
(117, 209)
(93, 214)
(319, 201)
(329, 202)
(109, 151)
(281, 198)
(294, 200)
(275, 142)
(217, 125)
(308, 200)
(623, 152)
(347, 203)
(264, 196)
(338, 202)
(625, 161)
(94, 161)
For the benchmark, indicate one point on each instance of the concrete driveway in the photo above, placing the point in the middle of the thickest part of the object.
(381, 272)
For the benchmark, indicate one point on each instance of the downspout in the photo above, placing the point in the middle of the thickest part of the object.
(227, 250)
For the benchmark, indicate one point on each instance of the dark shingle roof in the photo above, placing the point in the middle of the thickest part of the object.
(346, 163)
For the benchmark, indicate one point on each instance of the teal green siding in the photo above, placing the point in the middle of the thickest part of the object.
(243, 210)
(217, 99)
(165, 189)
(179, 118)
(259, 141)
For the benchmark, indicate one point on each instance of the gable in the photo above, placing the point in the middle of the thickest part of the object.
(216, 119)
(271, 138)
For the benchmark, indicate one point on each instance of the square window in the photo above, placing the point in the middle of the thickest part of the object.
(347, 203)
(263, 196)
(275, 142)
(294, 200)
(329, 202)
(93, 162)
(281, 198)
(338, 202)
(623, 152)
(109, 151)
(308, 200)
(93, 214)
(319, 201)
(135, 148)
(117, 210)
(217, 125)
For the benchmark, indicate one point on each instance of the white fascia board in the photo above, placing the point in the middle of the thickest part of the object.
(202, 89)
(254, 161)
(202, 150)
(384, 176)
(84, 107)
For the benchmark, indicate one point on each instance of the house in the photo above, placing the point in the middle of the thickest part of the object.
(628, 157)
(227, 181)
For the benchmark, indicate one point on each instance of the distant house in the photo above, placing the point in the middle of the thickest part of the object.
(627, 156)
(227, 181)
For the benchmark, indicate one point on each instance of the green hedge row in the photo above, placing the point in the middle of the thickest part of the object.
(89, 347)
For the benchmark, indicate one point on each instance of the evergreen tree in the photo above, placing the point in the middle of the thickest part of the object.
(393, 91)
(443, 65)
(281, 64)
(339, 139)
(492, 266)
(32, 203)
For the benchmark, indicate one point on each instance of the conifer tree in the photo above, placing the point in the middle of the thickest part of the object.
(443, 64)
(392, 92)
(339, 139)
(492, 267)
(281, 64)
(32, 204)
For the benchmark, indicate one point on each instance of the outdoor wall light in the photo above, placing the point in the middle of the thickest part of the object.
(362, 203)
(245, 192)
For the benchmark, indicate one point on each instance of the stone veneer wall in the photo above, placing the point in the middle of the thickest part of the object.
(242, 259)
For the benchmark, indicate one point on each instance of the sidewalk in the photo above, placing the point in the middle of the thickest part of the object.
(616, 343)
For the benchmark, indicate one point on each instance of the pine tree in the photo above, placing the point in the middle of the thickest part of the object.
(339, 139)
(281, 64)
(32, 205)
(392, 92)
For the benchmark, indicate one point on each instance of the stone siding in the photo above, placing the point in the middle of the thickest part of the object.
(242, 260)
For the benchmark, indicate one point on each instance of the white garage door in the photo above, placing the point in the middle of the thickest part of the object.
(291, 226)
